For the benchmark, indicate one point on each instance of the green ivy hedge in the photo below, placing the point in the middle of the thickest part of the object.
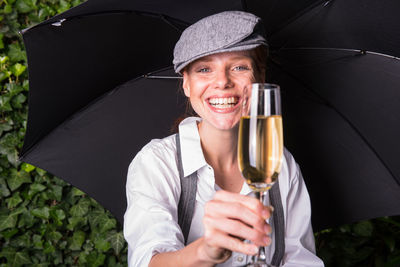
(43, 220)
(46, 222)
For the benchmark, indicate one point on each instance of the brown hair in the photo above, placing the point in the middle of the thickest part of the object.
(259, 56)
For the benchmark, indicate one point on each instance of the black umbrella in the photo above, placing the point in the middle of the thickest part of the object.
(91, 109)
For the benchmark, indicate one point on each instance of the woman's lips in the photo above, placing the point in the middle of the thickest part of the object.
(223, 104)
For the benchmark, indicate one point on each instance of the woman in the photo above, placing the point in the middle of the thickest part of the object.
(218, 57)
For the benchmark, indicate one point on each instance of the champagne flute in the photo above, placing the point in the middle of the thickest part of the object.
(260, 145)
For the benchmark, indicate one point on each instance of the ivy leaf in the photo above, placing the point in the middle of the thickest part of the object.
(107, 225)
(101, 243)
(26, 219)
(4, 75)
(19, 259)
(25, 6)
(363, 228)
(3, 59)
(80, 209)
(7, 9)
(40, 171)
(23, 240)
(13, 201)
(54, 236)
(8, 144)
(96, 218)
(48, 248)
(4, 126)
(15, 52)
(76, 240)
(5, 102)
(34, 17)
(4, 192)
(18, 178)
(14, 88)
(43, 212)
(95, 259)
(27, 167)
(37, 241)
(58, 216)
(34, 189)
(117, 241)
(55, 192)
(15, 258)
(17, 69)
(8, 221)
(75, 192)
(18, 100)
(25, 85)
(64, 6)
(7, 252)
(76, 222)
(44, 13)
(9, 233)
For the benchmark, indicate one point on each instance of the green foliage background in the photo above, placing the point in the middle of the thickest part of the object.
(46, 222)
(43, 220)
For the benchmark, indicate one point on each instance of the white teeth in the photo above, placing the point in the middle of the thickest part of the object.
(226, 102)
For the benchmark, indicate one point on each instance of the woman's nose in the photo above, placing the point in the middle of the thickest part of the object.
(222, 79)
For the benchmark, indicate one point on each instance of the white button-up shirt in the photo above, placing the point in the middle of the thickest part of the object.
(153, 190)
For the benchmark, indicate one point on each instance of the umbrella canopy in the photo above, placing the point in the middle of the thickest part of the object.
(91, 108)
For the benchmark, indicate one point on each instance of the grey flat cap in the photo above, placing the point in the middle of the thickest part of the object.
(223, 32)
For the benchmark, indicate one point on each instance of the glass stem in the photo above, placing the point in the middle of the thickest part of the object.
(260, 256)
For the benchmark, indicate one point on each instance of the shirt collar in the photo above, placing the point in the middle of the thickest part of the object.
(191, 151)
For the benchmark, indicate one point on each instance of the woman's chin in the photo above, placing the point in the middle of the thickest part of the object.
(225, 124)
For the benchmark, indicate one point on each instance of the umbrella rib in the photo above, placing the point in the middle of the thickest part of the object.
(161, 77)
(168, 20)
(360, 51)
(61, 20)
(321, 4)
(328, 104)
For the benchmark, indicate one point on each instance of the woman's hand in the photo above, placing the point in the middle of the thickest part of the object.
(228, 220)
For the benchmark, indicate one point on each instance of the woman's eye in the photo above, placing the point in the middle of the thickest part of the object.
(241, 68)
(203, 70)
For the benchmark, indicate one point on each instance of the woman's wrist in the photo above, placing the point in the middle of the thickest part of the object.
(207, 254)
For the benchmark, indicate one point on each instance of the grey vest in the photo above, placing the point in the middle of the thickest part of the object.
(188, 198)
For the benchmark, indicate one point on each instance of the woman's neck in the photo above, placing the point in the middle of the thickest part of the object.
(219, 146)
(220, 151)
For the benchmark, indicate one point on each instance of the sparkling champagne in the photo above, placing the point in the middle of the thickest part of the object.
(261, 165)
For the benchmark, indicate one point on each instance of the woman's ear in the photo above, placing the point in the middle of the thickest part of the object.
(185, 84)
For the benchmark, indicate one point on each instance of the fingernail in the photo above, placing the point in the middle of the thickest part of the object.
(271, 208)
(267, 241)
(265, 214)
(254, 250)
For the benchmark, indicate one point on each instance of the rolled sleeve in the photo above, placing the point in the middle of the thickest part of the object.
(150, 221)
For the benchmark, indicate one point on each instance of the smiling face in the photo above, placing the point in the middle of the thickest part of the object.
(215, 85)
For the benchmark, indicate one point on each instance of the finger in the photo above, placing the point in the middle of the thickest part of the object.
(235, 210)
(237, 229)
(250, 202)
(221, 240)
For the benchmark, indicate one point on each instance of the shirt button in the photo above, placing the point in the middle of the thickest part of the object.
(239, 258)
